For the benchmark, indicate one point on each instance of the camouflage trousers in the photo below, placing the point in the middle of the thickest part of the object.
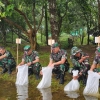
(35, 68)
(7, 65)
(83, 69)
(59, 69)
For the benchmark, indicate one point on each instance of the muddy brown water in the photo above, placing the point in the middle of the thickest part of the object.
(9, 91)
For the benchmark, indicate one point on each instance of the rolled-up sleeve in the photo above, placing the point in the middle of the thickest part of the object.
(95, 61)
(37, 55)
(64, 55)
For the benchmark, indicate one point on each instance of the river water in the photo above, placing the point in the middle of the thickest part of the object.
(9, 91)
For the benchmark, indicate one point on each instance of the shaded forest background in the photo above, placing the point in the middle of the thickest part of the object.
(36, 21)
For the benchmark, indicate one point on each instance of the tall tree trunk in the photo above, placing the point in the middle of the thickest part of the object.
(53, 19)
(4, 37)
(82, 39)
(4, 34)
(99, 14)
(41, 34)
(88, 29)
(32, 38)
(46, 24)
(12, 35)
(31, 33)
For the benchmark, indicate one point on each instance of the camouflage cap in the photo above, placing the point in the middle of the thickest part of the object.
(27, 47)
(55, 45)
(97, 50)
(75, 50)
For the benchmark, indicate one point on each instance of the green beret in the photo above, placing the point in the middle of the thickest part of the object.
(97, 50)
(27, 47)
(55, 45)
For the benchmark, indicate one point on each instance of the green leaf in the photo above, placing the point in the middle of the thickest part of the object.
(3, 14)
(10, 7)
(1, 4)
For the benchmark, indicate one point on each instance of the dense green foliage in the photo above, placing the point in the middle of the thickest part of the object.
(71, 17)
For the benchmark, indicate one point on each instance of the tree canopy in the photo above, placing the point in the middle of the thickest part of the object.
(27, 17)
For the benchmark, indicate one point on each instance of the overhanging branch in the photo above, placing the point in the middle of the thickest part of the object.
(21, 13)
(14, 24)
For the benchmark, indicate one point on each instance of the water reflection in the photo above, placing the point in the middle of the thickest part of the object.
(22, 92)
(90, 97)
(72, 94)
(46, 93)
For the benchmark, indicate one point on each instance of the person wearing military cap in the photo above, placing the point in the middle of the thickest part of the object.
(96, 60)
(59, 62)
(80, 61)
(31, 58)
(7, 61)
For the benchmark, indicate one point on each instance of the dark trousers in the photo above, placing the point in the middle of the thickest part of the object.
(34, 68)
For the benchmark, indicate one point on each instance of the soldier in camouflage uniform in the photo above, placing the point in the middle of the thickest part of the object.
(58, 60)
(31, 58)
(80, 62)
(7, 61)
(96, 60)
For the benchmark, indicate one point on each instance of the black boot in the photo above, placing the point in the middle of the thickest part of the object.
(57, 76)
(37, 76)
(9, 71)
(84, 79)
(4, 70)
(30, 72)
(61, 79)
(80, 78)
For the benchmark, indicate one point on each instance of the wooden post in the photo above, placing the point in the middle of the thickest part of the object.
(17, 53)
(50, 42)
(97, 40)
(18, 41)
